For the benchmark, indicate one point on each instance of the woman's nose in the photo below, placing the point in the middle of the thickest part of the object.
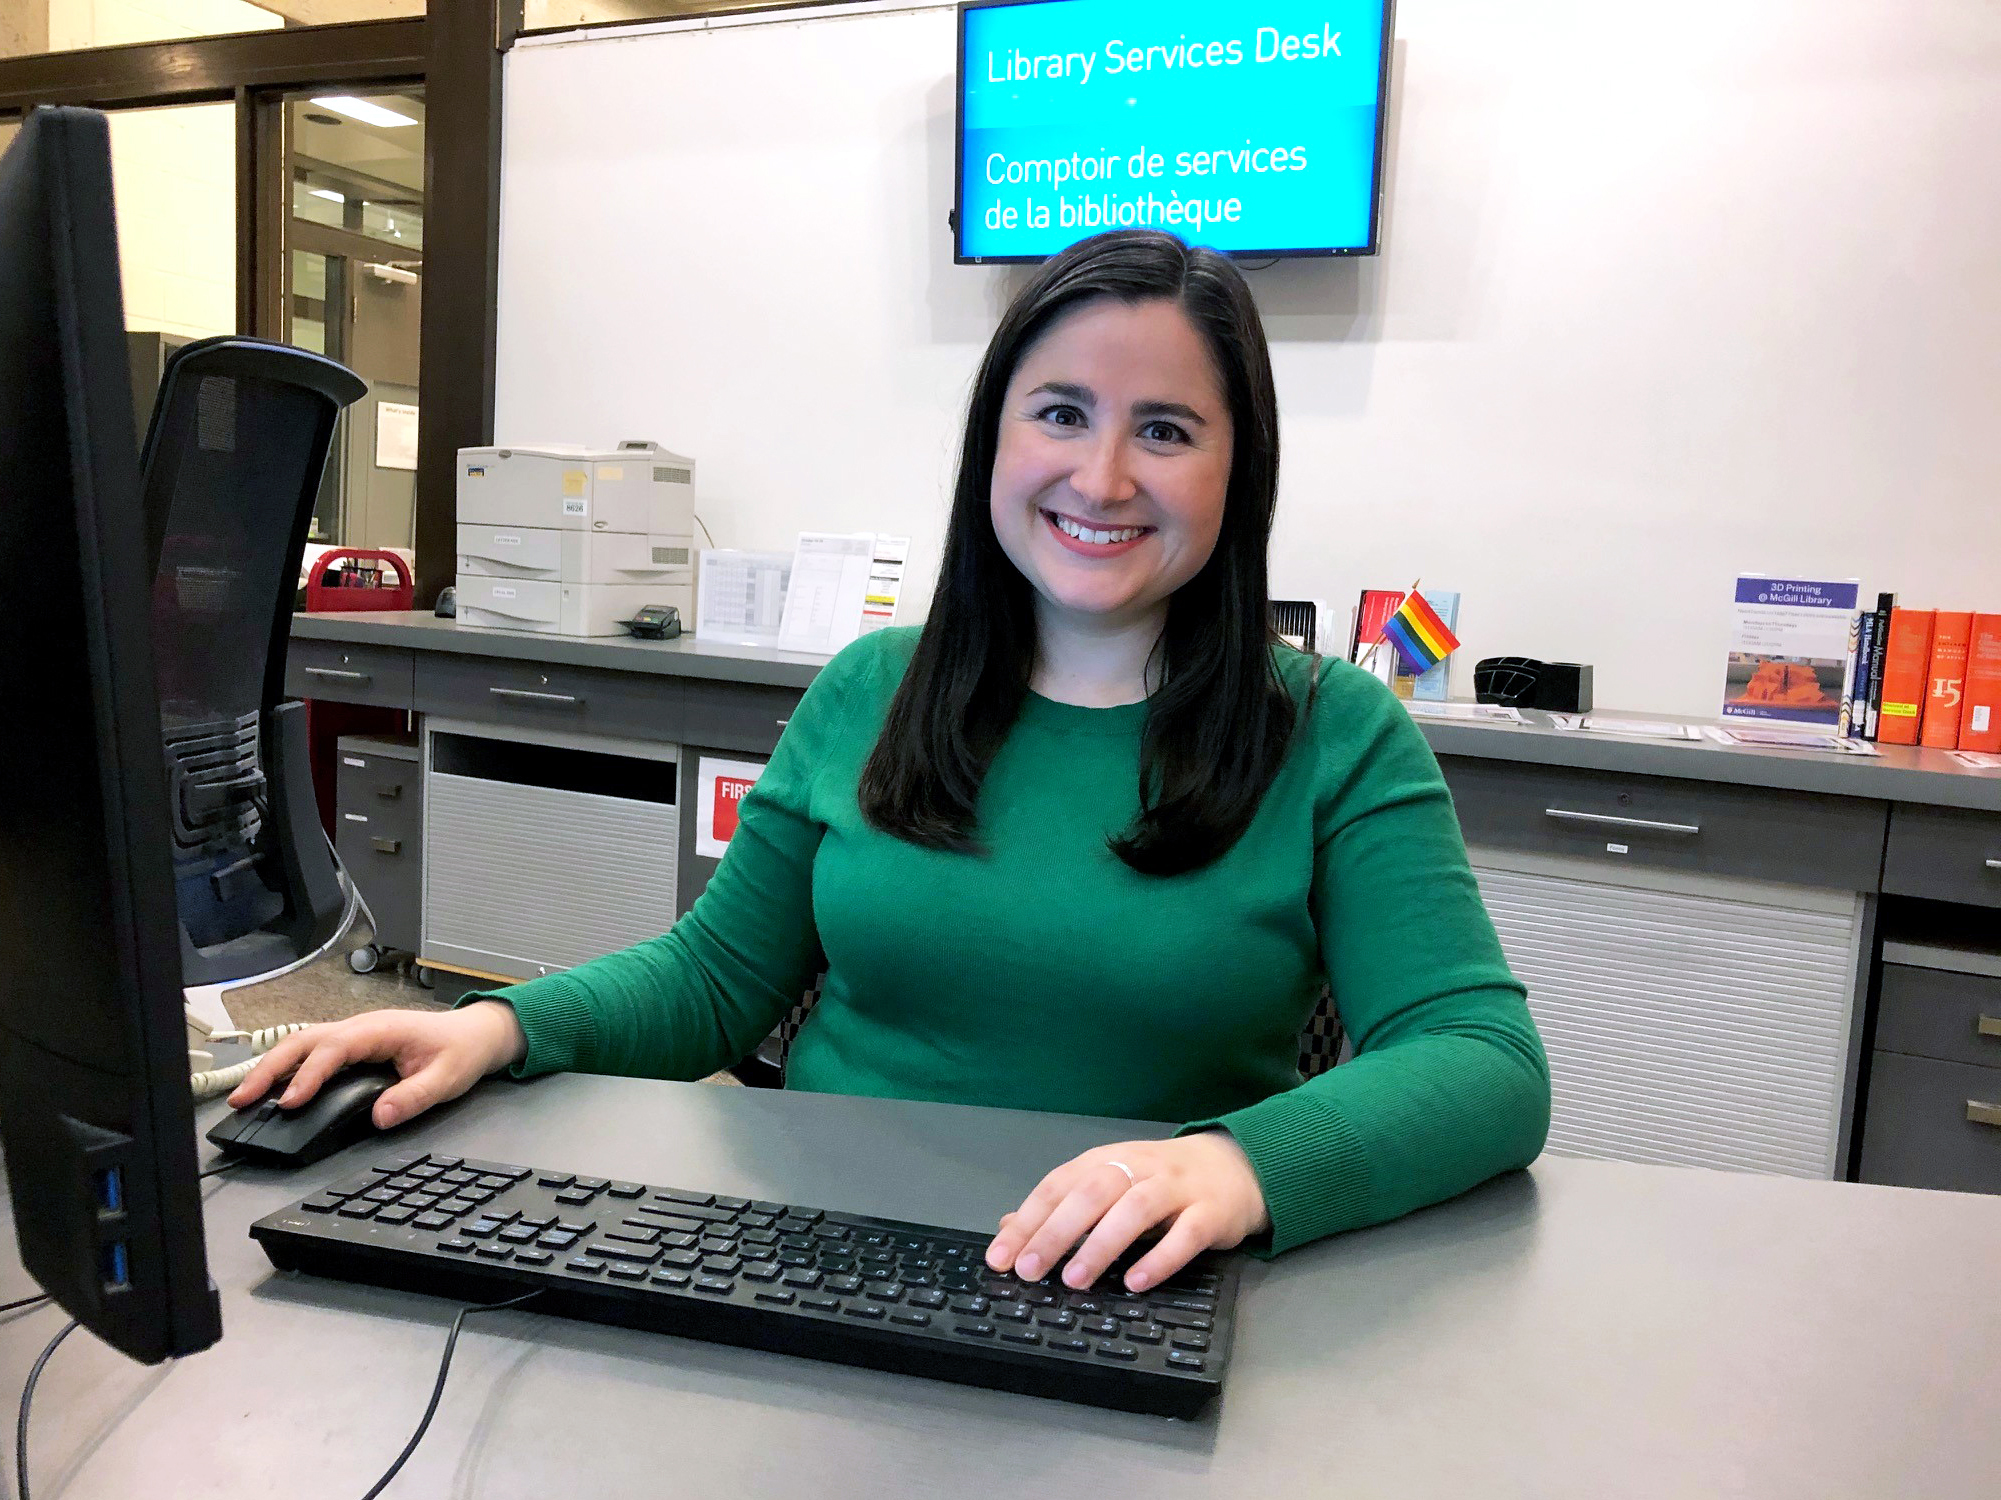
(1103, 477)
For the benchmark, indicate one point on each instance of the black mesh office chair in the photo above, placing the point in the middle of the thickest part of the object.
(232, 466)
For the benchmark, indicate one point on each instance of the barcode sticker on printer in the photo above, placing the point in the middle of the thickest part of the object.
(501, 591)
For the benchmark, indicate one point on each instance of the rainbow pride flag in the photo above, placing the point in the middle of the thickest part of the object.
(1419, 635)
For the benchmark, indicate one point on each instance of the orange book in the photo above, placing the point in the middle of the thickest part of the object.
(1945, 682)
(1904, 666)
(1980, 718)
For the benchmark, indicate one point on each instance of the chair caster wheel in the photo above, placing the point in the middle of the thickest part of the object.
(363, 959)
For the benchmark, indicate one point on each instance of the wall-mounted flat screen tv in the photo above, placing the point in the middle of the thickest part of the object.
(1254, 127)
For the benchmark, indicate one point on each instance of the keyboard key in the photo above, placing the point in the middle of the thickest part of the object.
(831, 1233)
(1182, 1361)
(1069, 1345)
(560, 1240)
(1016, 1312)
(972, 1305)
(532, 1257)
(505, 1169)
(424, 1171)
(382, 1195)
(324, 1205)
(593, 1184)
(1189, 1304)
(472, 1192)
(1130, 1311)
(884, 1291)
(679, 1210)
(644, 1236)
(1123, 1352)
(433, 1220)
(456, 1246)
(1021, 1335)
(1086, 1307)
(638, 1255)
(927, 1299)
(1053, 1317)
(538, 1221)
(675, 1195)
(677, 1241)
(575, 1226)
(395, 1214)
(761, 1270)
(795, 1257)
(519, 1234)
(1191, 1341)
(758, 1205)
(668, 1277)
(911, 1319)
(584, 1265)
(783, 1299)
(555, 1179)
(974, 1330)
(401, 1183)
(624, 1189)
(392, 1164)
(714, 1284)
(457, 1179)
(844, 1285)
(629, 1273)
(761, 1237)
(722, 1265)
(681, 1258)
(480, 1229)
(1146, 1333)
(457, 1206)
(574, 1196)
(734, 1205)
(803, 1277)
(821, 1304)
(347, 1187)
(1107, 1328)
(421, 1201)
(865, 1310)
(494, 1251)
(498, 1184)
(1175, 1318)
(357, 1208)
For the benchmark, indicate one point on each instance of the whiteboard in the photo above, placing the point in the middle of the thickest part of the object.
(1669, 291)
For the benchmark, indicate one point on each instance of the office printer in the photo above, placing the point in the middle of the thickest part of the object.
(574, 541)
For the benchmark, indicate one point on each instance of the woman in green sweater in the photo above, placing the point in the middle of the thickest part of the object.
(1090, 840)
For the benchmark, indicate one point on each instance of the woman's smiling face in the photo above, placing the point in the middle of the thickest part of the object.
(1113, 460)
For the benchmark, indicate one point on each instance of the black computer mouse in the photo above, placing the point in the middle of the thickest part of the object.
(337, 1116)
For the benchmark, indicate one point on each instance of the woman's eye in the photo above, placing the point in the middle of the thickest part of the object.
(1163, 432)
(1061, 416)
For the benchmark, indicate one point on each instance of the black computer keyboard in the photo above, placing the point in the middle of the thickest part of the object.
(912, 1298)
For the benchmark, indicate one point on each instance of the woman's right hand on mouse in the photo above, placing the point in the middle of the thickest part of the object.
(438, 1054)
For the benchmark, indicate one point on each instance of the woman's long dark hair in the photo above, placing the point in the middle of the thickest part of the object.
(1219, 724)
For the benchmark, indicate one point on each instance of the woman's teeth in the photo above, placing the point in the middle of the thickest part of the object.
(1096, 538)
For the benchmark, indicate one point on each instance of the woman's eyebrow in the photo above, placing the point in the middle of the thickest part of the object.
(1083, 395)
(1150, 409)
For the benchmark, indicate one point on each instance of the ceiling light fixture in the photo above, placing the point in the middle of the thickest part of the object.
(329, 194)
(365, 110)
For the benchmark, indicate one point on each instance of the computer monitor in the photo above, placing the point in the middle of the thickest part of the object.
(96, 1118)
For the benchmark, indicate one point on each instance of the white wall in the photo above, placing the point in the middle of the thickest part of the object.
(1669, 291)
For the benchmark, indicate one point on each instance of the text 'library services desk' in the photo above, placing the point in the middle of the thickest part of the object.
(1582, 1329)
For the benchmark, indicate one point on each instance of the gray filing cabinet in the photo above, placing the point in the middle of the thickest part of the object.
(379, 833)
(1933, 1112)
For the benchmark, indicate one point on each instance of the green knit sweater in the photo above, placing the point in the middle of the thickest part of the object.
(1045, 974)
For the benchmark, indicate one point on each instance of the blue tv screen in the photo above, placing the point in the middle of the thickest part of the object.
(1254, 128)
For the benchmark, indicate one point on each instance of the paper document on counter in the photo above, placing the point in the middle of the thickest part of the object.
(1789, 739)
(740, 597)
(885, 582)
(1978, 760)
(1485, 713)
(1646, 729)
(823, 602)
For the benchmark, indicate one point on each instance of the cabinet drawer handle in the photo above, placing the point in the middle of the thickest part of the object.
(1606, 820)
(336, 674)
(389, 793)
(1987, 1026)
(387, 846)
(782, 722)
(1983, 1114)
(1994, 864)
(565, 700)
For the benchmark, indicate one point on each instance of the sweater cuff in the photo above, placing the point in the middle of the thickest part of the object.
(557, 1020)
(1311, 1165)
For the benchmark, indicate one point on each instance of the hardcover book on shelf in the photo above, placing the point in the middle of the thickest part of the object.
(1905, 663)
(1789, 649)
(1851, 677)
(1980, 718)
(1945, 680)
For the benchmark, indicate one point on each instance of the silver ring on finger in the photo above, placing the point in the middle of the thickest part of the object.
(1131, 1181)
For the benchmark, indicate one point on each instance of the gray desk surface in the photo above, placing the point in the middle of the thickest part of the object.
(1899, 774)
(1583, 1329)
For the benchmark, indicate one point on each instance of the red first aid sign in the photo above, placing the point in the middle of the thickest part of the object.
(721, 787)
